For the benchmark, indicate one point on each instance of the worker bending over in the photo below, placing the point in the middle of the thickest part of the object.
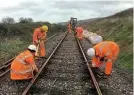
(103, 55)
(39, 38)
(23, 65)
(79, 33)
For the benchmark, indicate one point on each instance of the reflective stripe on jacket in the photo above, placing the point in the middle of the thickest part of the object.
(22, 59)
(22, 72)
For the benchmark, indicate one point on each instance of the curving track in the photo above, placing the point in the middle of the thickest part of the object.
(66, 73)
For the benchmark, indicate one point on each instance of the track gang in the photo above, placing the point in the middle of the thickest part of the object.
(66, 72)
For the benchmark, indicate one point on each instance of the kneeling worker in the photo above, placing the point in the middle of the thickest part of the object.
(103, 55)
(23, 65)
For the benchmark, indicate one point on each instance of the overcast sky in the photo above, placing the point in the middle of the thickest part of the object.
(61, 10)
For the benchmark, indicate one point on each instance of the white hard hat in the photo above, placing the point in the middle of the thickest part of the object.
(91, 52)
(32, 47)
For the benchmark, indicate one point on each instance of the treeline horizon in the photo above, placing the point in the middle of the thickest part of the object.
(25, 26)
(11, 20)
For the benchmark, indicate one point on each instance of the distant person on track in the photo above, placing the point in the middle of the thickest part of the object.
(79, 33)
(103, 55)
(39, 38)
(23, 65)
(69, 27)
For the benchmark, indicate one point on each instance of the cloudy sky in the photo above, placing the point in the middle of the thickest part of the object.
(61, 10)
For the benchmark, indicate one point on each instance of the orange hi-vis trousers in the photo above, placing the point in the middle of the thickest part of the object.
(42, 51)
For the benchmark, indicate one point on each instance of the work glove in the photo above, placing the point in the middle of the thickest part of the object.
(37, 42)
(90, 63)
(43, 38)
(93, 65)
(36, 69)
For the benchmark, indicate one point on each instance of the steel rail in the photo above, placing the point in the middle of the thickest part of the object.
(5, 64)
(4, 72)
(41, 69)
(90, 71)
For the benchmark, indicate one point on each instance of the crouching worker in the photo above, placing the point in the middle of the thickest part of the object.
(103, 55)
(23, 65)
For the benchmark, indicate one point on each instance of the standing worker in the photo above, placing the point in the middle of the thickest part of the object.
(23, 65)
(103, 55)
(39, 38)
(79, 33)
(69, 27)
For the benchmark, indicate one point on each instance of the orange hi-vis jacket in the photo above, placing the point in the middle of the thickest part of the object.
(23, 66)
(109, 51)
(79, 31)
(39, 35)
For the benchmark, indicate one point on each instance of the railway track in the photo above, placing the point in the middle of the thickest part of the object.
(64, 72)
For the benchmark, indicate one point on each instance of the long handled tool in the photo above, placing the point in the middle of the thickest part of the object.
(37, 50)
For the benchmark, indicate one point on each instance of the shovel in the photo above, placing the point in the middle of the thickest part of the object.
(37, 50)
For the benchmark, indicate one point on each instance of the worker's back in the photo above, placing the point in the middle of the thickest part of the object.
(79, 29)
(21, 67)
(106, 48)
